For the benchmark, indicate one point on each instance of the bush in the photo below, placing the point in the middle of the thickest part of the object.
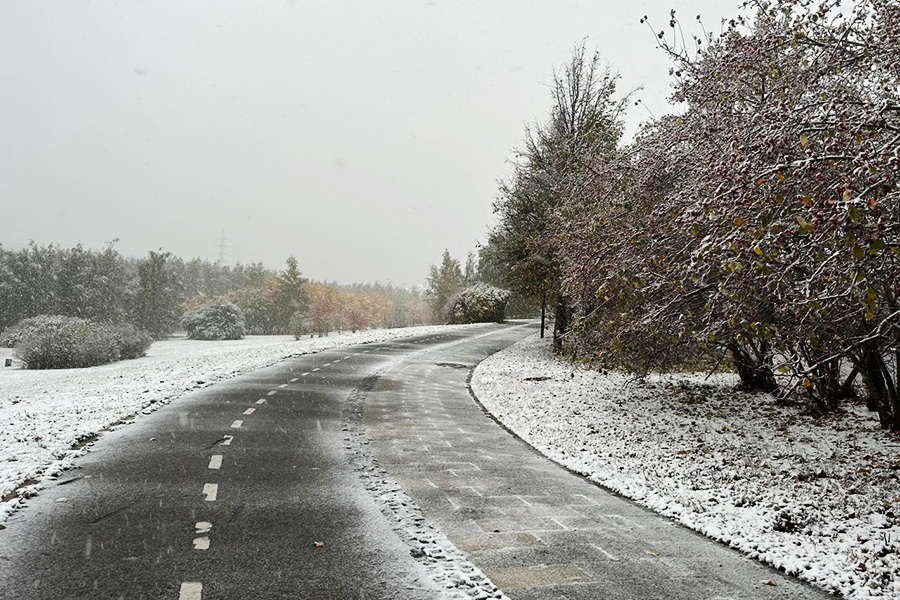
(479, 303)
(132, 342)
(57, 342)
(26, 328)
(216, 320)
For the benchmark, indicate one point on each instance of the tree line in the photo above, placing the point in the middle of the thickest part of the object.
(153, 293)
(755, 229)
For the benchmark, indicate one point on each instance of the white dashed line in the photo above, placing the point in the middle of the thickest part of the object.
(211, 491)
(237, 424)
(304, 374)
(316, 369)
(191, 590)
(202, 527)
(228, 439)
(261, 401)
(273, 392)
(250, 411)
(295, 379)
(215, 462)
(283, 385)
(201, 543)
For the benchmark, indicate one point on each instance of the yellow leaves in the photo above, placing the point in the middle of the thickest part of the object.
(848, 195)
(781, 178)
(758, 251)
(805, 226)
(739, 221)
(760, 181)
(779, 199)
(804, 140)
(806, 382)
(806, 201)
(873, 203)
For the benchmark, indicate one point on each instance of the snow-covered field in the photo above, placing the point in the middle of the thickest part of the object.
(818, 497)
(43, 414)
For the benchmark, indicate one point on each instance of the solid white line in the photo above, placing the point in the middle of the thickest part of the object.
(272, 393)
(202, 527)
(295, 379)
(283, 385)
(211, 491)
(215, 461)
(250, 411)
(228, 439)
(191, 590)
(261, 401)
(201, 543)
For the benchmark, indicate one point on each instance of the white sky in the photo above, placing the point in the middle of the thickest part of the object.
(362, 137)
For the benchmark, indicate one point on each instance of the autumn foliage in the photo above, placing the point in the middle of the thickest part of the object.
(758, 228)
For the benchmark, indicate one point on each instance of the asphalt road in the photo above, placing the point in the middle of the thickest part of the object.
(250, 489)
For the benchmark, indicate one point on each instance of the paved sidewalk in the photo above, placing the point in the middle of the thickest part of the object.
(536, 530)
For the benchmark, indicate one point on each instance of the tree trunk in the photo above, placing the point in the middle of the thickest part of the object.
(755, 374)
(543, 313)
(880, 387)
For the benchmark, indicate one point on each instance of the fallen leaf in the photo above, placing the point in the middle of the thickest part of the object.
(152, 440)
(769, 582)
(651, 552)
(318, 544)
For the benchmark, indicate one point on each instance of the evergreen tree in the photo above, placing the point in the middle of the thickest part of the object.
(156, 304)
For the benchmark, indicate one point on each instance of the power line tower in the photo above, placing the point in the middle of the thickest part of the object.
(222, 246)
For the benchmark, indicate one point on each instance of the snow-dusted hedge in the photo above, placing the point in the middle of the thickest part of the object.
(216, 320)
(58, 342)
(479, 303)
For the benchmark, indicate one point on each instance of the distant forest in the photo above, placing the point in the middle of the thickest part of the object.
(154, 292)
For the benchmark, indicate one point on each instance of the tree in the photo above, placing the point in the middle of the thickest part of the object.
(585, 121)
(158, 296)
(443, 282)
(291, 296)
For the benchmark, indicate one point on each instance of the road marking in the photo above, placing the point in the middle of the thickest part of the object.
(304, 374)
(318, 425)
(272, 393)
(215, 461)
(261, 401)
(237, 424)
(348, 357)
(228, 439)
(604, 552)
(283, 385)
(627, 520)
(202, 527)
(295, 379)
(210, 490)
(316, 369)
(250, 411)
(191, 590)
(201, 543)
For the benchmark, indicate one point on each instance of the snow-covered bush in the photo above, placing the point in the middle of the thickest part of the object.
(60, 342)
(55, 342)
(216, 320)
(132, 342)
(479, 303)
(25, 328)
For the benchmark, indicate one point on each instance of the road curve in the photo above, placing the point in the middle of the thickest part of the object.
(324, 477)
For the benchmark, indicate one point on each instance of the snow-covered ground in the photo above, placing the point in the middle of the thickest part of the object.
(44, 414)
(818, 497)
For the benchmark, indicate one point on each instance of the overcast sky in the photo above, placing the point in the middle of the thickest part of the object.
(362, 137)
